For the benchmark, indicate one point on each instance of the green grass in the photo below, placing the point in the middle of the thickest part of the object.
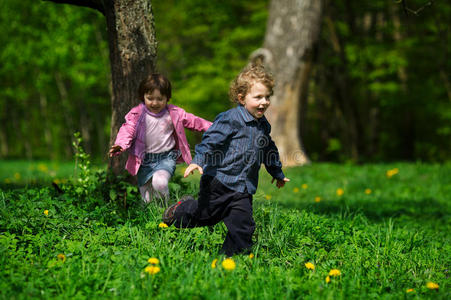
(395, 238)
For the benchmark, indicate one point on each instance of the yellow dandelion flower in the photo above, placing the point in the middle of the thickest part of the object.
(46, 212)
(410, 290)
(43, 168)
(7, 180)
(310, 266)
(304, 186)
(327, 279)
(61, 257)
(392, 172)
(295, 190)
(268, 197)
(340, 192)
(334, 272)
(228, 264)
(16, 176)
(152, 270)
(251, 256)
(317, 199)
(368, 191)
(162, 225)
(432, 285)
(153, 261)
(213, 263)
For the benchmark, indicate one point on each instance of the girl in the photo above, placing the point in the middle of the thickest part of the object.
(154, 134)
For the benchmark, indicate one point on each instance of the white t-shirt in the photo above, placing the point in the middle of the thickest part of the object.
(159, 133)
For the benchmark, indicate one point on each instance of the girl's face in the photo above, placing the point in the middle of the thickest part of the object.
(155, 102)
(257, 100)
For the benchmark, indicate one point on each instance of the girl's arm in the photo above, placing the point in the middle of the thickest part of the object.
(126, 134)
(194, 122)
(115, 150)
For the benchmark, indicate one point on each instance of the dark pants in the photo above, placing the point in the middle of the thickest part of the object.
(218, 203)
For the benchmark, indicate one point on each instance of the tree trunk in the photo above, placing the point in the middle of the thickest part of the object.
(133, 47)
(292, 30)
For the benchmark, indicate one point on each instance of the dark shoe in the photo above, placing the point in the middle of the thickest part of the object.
(169, 213)
(186, 197)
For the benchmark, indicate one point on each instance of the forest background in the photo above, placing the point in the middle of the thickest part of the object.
(390, 67)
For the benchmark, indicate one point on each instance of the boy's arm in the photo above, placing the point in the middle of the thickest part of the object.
(213, 140)
(194, 122)
(272, 160)
(274, 166)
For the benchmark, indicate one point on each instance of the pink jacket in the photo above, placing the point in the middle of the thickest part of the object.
(134, 122)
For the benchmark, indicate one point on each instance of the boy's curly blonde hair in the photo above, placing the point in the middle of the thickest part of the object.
(247, 77)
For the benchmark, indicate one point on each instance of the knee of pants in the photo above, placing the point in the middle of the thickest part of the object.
(241, 224)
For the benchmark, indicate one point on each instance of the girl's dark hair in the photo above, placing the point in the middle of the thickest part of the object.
(155, 82)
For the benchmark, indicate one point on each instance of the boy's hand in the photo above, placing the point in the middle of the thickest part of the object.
(114, 150)
(280, 182)
(191, 168)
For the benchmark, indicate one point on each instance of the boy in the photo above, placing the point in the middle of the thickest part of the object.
(229, 157)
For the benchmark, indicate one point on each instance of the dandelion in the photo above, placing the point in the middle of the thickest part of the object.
(304, 186)
(251, 256)
(334, 272)
(16, 176)
(310, 266)
(392, 172)
(228, 264)
(162, 225)
(213, 263)
(295, 190)
(7, 180)
(327, 279)
(43, 168)
(268, 197)
(340, 192)
(317, 199)
(61, 257)
(153, 261)
(46, 212)
(410, 290)
(368, 191)
(432, 285)
(152, 270)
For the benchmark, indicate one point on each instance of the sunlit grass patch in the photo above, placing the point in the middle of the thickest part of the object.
(390, 243)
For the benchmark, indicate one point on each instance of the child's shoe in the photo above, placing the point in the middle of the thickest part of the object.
(169, 213)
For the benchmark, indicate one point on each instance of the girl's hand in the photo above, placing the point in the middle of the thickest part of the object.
(115, 149)
(191, 168)
(280, 182)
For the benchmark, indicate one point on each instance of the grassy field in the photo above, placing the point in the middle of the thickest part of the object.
(385, 229)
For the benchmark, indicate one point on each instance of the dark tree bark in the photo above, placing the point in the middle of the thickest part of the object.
(292, 31)
(133, 47)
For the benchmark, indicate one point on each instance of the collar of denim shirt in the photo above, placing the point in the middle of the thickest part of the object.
(248, 117)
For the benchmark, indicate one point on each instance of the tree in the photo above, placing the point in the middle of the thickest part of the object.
(133, 47)
(292, 30)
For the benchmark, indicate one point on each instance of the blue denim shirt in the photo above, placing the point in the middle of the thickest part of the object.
(234, 147)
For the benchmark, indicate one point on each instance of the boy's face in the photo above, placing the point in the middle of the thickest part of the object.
(256, 100)
(155, 102)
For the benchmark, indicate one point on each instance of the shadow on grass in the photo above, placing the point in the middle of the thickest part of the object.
(425, 210)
